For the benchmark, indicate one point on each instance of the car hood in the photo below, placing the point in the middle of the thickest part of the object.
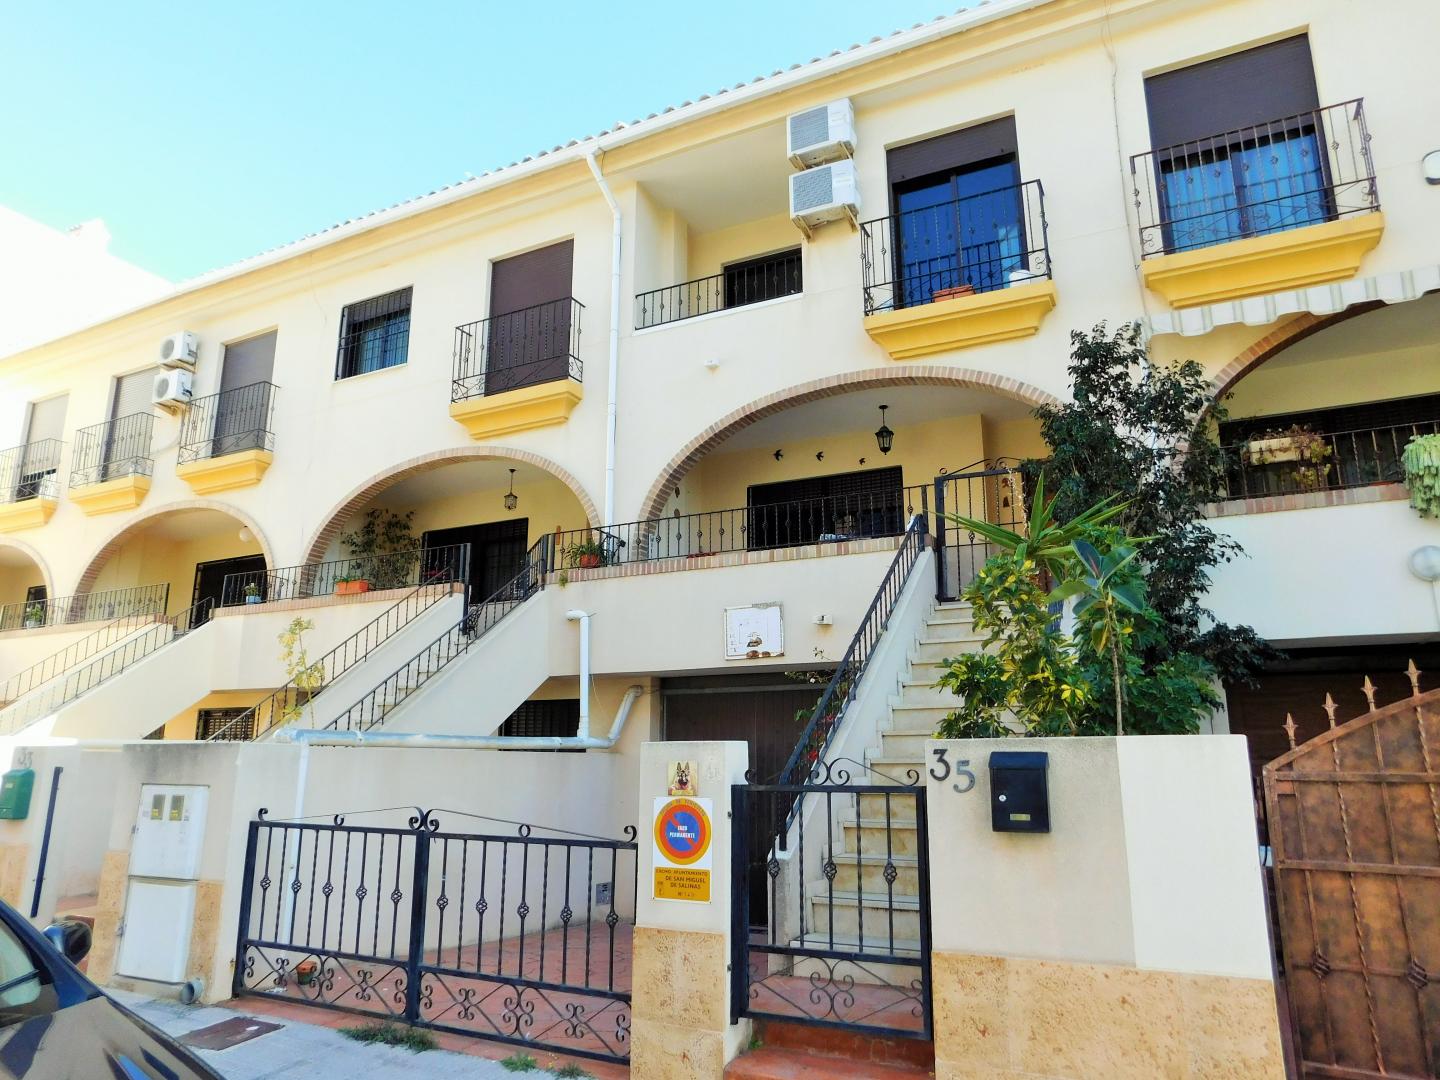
(93, 1040)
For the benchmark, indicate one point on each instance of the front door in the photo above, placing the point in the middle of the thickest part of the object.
(210, 581)
(497, 552)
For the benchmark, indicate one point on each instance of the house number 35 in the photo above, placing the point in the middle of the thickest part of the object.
(940, 771)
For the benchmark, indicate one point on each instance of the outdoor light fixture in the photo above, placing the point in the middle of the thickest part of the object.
(511, 499)
(1425, 563)
(245, 534)
(884, 437)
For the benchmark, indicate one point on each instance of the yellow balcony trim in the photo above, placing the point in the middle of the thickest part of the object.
(963, 322)
(1294, 259)
(27, 513)
(108, 496)
(518, 410)
(243, 469)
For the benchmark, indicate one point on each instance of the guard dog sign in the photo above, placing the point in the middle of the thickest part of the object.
(682, 834)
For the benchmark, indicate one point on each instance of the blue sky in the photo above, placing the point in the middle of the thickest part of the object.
(206, 132)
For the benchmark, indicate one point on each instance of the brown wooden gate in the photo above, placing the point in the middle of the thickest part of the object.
(1355, 831)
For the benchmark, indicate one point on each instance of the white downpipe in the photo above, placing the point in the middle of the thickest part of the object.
(422, 741)
(612, 389)
(583, 618)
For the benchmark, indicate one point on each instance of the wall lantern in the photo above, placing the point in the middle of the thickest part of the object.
(884, 437)
(511, 499)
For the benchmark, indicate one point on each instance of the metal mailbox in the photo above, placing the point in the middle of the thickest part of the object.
(15, 789)
(1019, 796)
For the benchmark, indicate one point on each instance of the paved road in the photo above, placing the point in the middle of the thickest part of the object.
(304, 1050)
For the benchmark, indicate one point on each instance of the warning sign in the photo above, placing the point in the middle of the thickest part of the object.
(683, 860)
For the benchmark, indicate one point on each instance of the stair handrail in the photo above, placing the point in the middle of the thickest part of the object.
(57, 663)
(298, 692)
(829, 711)
(478, 619)
(106, 666)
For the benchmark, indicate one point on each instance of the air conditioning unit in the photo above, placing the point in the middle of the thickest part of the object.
(172, 389)
(180, 349)
(825, 193)
(822, 134)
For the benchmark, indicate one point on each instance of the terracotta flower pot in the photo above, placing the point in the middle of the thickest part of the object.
(952, 293)
(588, 562)
(350, 588)
(305, 972)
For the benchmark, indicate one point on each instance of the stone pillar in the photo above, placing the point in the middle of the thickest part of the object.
(680, 1012)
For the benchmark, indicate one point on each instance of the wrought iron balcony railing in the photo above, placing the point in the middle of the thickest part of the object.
(396, 570)
(86, 607)
(1285, 465)
(829, 520)
(29, 471)
(768, 278)
(1283, 174)
(116, 448)
(228, 423)
(973, 245)
(534, 345)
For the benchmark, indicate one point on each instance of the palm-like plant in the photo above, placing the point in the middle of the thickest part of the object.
(1109, 595)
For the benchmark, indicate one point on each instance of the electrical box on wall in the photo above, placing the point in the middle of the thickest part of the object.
(169, 832)
(15, 789)
(1019, 796)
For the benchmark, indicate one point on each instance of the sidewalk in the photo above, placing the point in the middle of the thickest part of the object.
(299, 1049)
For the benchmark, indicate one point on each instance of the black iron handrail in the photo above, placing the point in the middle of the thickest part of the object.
(829, 711)
(534, 345)
(393, 570)
(73, 654)
(977, 244)
(1296, 170)
(86, 607)
(229, 422)
(757, 280)
(285, 703)
(1279, 464)
(116, 448)
(29, 471)
(371, 710)
(64, 690)
(829, 519)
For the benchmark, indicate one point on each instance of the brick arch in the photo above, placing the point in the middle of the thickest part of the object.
(1277, 341)
(831, 386)
(34, 556)
(334, 521)
(117, 538)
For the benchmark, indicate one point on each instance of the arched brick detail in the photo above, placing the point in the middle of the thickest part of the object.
(831, 386)
(334, 521)
(1277, 341)
(34, 556)
(117, 539)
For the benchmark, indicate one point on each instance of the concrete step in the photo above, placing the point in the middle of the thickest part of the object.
(850, 1046)
(922, 672)
(906, 744)
(957, 632)
(886, 918)
(917, 692)
(876, 834)
(887, 807)
(870, 871)
(929, 651)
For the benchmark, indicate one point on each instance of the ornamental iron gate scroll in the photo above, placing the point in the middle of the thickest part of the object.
(1354, 828)
(846, 935)
(517, 938)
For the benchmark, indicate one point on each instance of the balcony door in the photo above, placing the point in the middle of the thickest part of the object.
(528, 333)
(497, 553)
(127, 442)
(825, 509)
(240, 412)
(40, 459)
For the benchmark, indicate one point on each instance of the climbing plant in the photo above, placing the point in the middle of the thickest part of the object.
(1421, 459)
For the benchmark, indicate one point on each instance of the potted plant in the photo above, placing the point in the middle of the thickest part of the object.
(585, 554)
(1421, 459)
(1295, 443)
(953, 292)
(34, 615)
(346, 585)
(252, 593)
(305, 972)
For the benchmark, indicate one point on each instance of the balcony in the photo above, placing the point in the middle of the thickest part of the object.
(1300, 460)
(227, 440)
(407, 569)
(958, 274)
(518, 371)
(753, 281)
(29, 484)
(1280, 205)
(111, 465)
(137, 601)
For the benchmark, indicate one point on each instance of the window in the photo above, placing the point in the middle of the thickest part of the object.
(824, 509)
(556, 719)
(220, 724)
(374, 334)
(765, 278)
(26, 989)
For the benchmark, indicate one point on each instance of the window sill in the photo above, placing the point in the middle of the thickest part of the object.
(722, 313)
(345, 380)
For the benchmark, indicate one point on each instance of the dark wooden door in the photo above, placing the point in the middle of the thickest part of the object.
(497, 552)
(529, 334)
(210, 580)
(768, 712)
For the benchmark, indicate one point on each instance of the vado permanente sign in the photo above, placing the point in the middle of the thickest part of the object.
(682, 849)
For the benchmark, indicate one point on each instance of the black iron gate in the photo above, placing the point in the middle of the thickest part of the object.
(517, 938)
(985, 491)
(846, 935)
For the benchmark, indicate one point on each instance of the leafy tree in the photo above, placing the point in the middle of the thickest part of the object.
(1144, 431)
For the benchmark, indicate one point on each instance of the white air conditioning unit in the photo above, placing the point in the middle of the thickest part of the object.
(180, 349)
(172, 389)
(826, 193)
(822, 134)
